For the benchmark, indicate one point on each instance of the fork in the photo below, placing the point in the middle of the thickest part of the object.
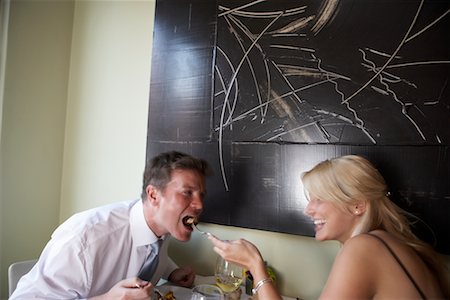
(202, 232)
(158, 293)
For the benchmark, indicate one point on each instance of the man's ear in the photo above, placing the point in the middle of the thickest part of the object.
(152, 194)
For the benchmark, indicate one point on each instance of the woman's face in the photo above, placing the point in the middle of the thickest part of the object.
(331, 222)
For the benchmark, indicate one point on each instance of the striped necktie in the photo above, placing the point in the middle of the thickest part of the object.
(150, 265)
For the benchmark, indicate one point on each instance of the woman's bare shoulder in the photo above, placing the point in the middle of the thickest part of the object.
(366, 250)
(367, 261)
(356, 262)
(360, 244)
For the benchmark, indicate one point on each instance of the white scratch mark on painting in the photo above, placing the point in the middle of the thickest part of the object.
(390, 59)
(326, 14)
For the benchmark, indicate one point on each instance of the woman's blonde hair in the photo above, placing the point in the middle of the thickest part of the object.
(350, 179)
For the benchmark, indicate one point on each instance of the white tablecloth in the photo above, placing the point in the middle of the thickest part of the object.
(182, 293)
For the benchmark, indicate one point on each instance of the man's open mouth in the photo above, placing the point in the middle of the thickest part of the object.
(189, 221)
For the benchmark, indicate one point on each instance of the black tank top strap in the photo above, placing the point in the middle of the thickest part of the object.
(401, 265)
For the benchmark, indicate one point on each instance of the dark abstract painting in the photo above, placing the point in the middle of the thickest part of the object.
(266, 89)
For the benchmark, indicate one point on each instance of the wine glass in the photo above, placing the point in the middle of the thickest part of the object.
(206, 292)
(228, 276)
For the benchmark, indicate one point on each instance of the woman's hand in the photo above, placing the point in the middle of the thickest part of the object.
(240, 252)
(244, 253)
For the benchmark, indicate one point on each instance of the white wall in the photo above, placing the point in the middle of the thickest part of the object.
(34, 109)
(106, 126)
(4, 17)
(74, 114)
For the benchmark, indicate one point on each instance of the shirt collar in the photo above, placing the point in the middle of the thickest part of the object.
(142, 235)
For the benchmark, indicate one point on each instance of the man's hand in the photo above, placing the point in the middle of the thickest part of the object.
(183, 276)
(131, 288)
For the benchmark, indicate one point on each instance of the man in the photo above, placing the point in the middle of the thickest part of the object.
(98, 253)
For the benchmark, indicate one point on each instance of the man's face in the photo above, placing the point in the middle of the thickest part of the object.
(182, 198)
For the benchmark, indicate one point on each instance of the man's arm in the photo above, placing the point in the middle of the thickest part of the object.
(58, 274)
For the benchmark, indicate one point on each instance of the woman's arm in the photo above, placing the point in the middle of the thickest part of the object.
(244, 253)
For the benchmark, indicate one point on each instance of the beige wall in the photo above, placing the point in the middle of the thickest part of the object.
(34, 110)
(106, 126)
(74, 114)
(73, 134)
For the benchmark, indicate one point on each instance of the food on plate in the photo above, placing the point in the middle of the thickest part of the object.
(168, 296)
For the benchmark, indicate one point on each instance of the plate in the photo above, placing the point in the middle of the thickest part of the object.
(179, 292)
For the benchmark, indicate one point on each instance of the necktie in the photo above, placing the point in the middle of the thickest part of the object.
(150, 265)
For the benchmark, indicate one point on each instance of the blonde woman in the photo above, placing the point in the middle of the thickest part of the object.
(348, 202)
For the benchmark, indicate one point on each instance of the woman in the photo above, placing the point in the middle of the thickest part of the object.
(348, 202)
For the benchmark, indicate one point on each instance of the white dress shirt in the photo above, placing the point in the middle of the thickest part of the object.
(92, 251)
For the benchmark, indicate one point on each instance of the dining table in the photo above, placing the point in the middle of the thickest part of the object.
(182, 293)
